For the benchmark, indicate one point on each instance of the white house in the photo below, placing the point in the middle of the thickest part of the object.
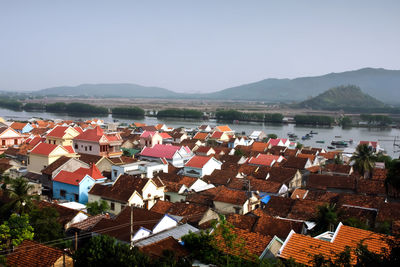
(145, 168)
(199, 166)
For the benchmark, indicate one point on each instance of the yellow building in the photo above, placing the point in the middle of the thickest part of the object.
(63, 135)
(43, 154)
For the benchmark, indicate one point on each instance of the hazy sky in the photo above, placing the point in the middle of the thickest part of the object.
(190, 46)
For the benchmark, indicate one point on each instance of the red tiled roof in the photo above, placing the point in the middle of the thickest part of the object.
(259, 146)
(146, 134)
(44, 149)
(263, 159)
(58, 131)
(70, 149)
(91, 134)
(31, 253)
(76, 177)
(160, 151)
(197, 161)
(275, 142)
(200, 136)
(217, 135)
(18, 125)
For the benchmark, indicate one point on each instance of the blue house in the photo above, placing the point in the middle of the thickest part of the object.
(21, 127)
(74, 186)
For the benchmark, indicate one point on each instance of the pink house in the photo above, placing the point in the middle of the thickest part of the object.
(96, 142)
(9, 137)
(149, 138)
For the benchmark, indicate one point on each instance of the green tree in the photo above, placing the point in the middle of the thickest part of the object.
(364, 160)
(325, 219)
(45, 222)
(345, 121)
(299, 146)
(97, 207)
(103, 250)
(272, 136)
(15, 230)
(18, 192)
(393, 175)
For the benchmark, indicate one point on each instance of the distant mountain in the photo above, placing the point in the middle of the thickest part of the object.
(109, 90)
(380, 83)
(342, 97)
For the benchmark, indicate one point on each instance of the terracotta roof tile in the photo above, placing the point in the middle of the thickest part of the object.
(156, 249)
(31, 253)
(254, 243)
(198, 161)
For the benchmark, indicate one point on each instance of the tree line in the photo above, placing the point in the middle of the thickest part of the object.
(314, 119)
(180, 113)
(231, 114)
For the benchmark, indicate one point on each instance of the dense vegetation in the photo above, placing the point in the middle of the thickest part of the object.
(180, 113)
(10, 103)
(231, 114)
(128, 111)
(380, 120)
(314, 120)
(342, 97)
(34, 106)
(75, 108)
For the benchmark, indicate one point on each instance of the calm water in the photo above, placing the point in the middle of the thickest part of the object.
(384, 136)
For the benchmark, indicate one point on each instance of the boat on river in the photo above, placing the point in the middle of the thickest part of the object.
(311, 132)
(320, 142)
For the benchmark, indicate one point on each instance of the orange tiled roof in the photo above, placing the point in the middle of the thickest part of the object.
(254, 243)
(259, 146)
(302, 248)
(223, 128)
(31, 253)
(201, 136)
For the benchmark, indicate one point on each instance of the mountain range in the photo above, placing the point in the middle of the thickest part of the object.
(380, 83)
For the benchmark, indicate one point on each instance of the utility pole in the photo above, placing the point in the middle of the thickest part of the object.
(131, 235)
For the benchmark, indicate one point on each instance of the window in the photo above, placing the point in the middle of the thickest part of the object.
(76, 196)
(15, 141)
(122, 207)
(112, 206)
(76, 146)
(115, 173)
(167, 198)
(3, 142)
(63, 193)
(85, 148)
(90, 148)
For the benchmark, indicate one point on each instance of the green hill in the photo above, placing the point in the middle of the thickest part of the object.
(109, 90)
(342, 97)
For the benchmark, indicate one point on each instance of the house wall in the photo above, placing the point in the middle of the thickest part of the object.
(71, 166)
(174, 197)
(71, 190)
(141, 233)
(151, 193)
(104, 165)
(64, 261)
(9, 138)
(296, 182)
(84, 187)
(226, 208)
(208, 216)
(86, 147)
(37, 163)
(165, 223)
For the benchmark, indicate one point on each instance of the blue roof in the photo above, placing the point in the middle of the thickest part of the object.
(265, 199)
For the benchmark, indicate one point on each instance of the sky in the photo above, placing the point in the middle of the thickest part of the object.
(191, 46)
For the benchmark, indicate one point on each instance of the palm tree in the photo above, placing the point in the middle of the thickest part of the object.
(364, 160)
(325, 219)
(17, 190)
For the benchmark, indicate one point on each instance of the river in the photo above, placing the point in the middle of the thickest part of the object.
(385, 136)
